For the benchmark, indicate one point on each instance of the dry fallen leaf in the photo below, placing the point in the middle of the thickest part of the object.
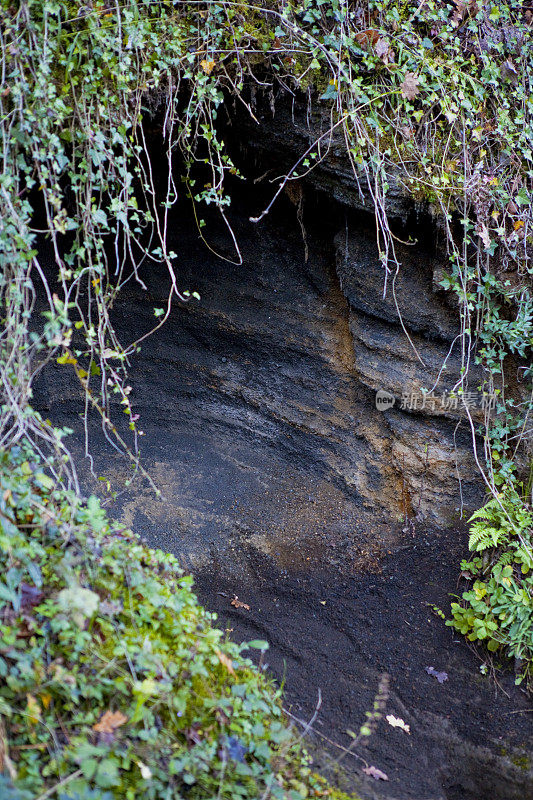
(238, 603)
(367, 38)
(374, 772)
(223, 658)
(396, 722)
(484, 235)
(440, 676)
(409, 86)
(382, 47)
(509, 72)
(462, 7)
(384, 51)
(109, 721)
(207, 66)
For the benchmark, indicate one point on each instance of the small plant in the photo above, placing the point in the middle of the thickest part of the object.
(498, 609)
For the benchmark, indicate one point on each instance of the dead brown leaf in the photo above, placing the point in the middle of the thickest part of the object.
(367, 38)
(207, 66)
(483, 233)
(409, 86)
(109, 721)
(384, 51)
(226, 661)
(374, 772)
(238, 603)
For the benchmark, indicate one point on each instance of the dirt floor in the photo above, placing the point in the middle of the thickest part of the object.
(470, 739)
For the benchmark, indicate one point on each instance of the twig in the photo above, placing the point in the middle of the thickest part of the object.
(54, 789)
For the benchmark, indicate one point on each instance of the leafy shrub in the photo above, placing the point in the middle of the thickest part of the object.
(498, 609)
(114, 681)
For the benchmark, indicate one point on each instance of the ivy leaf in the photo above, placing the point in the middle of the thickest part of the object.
(107, 774)
(522, 198)
(331, 92)
(236, 749)
(99, 216)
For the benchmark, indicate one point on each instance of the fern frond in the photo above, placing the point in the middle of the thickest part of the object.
(483, 536)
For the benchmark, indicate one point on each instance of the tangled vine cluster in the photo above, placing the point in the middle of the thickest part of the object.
(434, 96)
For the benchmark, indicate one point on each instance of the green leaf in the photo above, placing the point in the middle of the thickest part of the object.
(107, 774)
(523, 198)
(258, 644)
(45, 480)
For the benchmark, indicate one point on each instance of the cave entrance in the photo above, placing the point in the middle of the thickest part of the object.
(284, 486)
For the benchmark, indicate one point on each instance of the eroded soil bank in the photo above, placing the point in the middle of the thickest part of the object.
(284, 485)
(469, 739)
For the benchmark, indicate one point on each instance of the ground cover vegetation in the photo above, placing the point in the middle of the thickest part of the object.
(435, 97)
(114, 681)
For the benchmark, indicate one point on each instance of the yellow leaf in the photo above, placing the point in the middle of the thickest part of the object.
(223, 658)
(207, 66)
(66, 359)
(34, 709)
(518, 224)
(45, 699)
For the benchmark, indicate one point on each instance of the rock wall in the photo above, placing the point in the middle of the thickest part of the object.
(258, 403)
(404, 343)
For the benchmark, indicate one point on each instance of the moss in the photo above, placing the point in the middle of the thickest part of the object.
(523, 762)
